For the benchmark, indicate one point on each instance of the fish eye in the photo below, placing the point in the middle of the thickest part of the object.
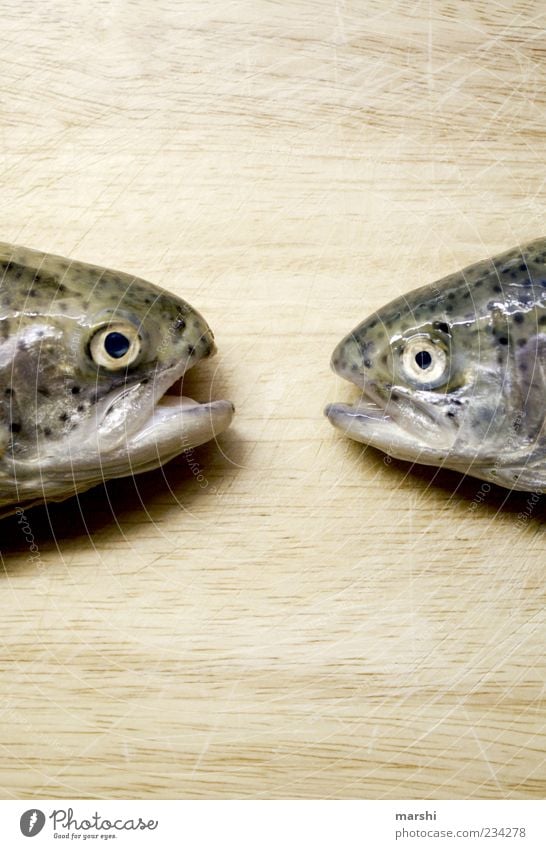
(115, 346)
(424, 361)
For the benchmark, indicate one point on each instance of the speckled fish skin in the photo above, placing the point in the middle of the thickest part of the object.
(481, 336)
(67, 420)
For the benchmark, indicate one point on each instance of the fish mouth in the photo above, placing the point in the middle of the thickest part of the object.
(395, 422)
(148, 423)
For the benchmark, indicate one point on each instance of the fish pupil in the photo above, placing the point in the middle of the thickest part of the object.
(423, 359)
(116, 345)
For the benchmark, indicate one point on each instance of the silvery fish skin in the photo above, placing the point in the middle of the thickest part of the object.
(454, 374)
(86, 357)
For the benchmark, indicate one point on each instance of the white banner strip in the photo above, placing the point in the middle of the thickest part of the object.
(274, 824)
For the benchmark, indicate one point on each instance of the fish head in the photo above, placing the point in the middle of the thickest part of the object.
(88, 359)
(434, 379)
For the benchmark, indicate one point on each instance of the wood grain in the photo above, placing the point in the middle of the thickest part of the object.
(308, 620)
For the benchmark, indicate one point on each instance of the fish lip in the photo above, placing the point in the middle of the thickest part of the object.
(359, 410)
(387, 424)
(361, 419)
(369, 405)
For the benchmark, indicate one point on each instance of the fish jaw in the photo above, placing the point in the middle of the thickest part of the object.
(176, 424)
(151, 426)
(371, 424)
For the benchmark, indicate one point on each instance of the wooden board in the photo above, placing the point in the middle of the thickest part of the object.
(306, 620)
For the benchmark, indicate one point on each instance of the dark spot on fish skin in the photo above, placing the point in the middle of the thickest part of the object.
(368, 363)
(63, 417)
(542, 319)
(43, 390)
(80, 408)
(75, 390)
(442, 325)
(395, 396)
(191, 350)
(451, 296)
(8, 391)
(503, 340)
(47, 431)
(497, 288)
(450, 414)
(372, 323)
(15, 427)
(384, 359)
(179, 324)
(519, 318)
(523, 267)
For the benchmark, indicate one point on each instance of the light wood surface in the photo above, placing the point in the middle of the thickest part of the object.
(308, 620)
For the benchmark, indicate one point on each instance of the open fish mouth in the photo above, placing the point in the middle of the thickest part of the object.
(398, 424)
(149, 422)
